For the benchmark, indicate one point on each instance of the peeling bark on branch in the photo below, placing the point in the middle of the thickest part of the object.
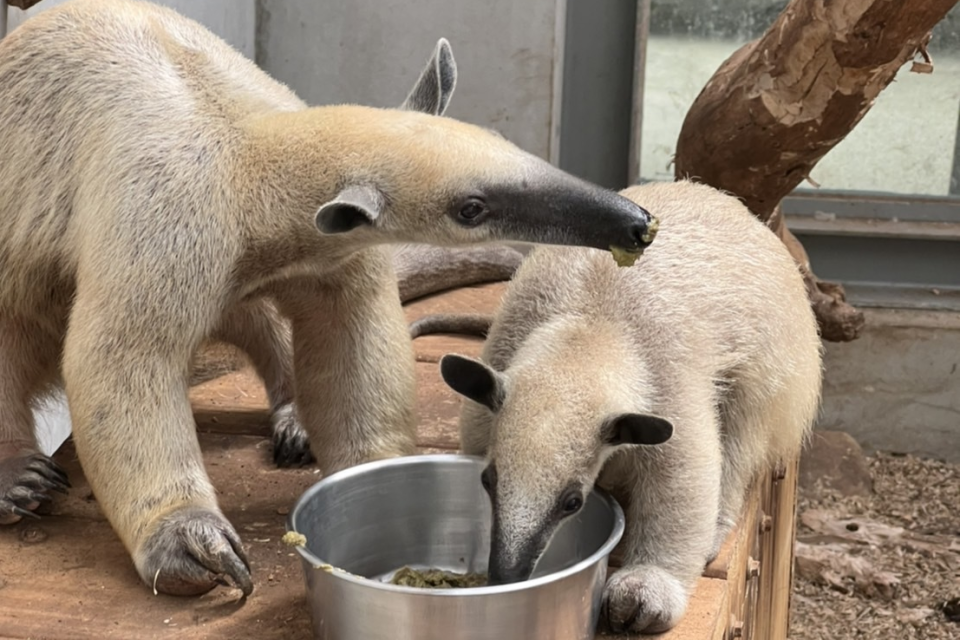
(838, 320)
(780, 103)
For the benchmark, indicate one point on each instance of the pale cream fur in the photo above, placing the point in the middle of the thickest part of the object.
(157, 190)
(711, 329)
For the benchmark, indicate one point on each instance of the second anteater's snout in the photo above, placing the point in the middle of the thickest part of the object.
(564, 210)
(506, 575)
(511, 561)
(504, 570)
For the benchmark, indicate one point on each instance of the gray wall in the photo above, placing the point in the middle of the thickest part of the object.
(370, 52)
(896, 387)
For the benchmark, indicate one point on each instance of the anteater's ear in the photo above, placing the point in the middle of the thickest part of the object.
(431, 94)
(637, 428)
(474, 380)
(351, 208)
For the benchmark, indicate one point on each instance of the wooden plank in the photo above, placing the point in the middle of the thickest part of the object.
(433, 347)
(438, 409)
(742, 564)
(720, 567)
(484, 298)
(478, 299)
(779, 501)
(235, 403)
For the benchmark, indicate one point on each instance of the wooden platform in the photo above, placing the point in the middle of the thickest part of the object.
(68, 577)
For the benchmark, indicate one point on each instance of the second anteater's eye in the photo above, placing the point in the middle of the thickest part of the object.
(572, 504)
(472, 212)
(487, 479)
(571, 501)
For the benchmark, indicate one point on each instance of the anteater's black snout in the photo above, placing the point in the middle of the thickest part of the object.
(638, 227)
(564, 210)
(506, 575)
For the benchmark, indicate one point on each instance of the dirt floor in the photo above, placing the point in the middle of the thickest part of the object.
(884, 563)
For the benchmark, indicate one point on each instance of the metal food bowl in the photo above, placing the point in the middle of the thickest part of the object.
(430, 511)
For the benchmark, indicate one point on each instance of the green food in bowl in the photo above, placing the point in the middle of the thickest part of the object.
(437, 579)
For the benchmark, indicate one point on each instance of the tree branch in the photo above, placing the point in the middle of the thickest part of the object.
(778, 104)
(22, 4)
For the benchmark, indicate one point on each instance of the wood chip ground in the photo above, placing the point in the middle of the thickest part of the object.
(884, 583)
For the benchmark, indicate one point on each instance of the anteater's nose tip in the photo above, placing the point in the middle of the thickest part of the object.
(644, 231)
(497, 577)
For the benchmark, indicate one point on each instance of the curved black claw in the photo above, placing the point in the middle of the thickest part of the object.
(24, 484)
(291, 446)
(191, 552)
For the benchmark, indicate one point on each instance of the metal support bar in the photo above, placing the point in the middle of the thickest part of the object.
(3, 18)
(955, 174)
(876, 206)
(639, 82)
(931, 263)
(598, 84)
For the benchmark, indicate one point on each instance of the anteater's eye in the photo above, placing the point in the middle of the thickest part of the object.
(572, 504)
(472, 212)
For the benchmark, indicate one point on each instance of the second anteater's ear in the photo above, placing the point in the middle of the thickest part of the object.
(431, 94)
(473, 379)
(353, 207)
(637, 428)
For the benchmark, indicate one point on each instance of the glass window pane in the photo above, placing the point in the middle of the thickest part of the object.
(906, 144)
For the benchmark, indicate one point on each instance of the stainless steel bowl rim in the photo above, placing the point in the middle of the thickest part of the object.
(613, 539)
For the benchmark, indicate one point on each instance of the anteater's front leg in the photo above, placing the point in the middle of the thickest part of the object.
(671, 513)
(126, 360)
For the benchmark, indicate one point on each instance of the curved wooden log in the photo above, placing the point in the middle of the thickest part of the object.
(22, 4)
(778, 104)
(425, 269)
(839, 321)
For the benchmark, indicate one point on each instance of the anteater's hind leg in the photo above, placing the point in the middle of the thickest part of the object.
(28, 360)
(258, 329)
(747, 421)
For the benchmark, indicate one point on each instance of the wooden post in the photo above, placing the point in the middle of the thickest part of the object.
(779, 502)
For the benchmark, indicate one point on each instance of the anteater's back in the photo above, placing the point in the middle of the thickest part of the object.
(97, 93)
(716, 297)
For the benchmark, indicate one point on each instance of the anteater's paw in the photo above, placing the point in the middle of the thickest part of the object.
(291, 446)
(25, 483)
(644, 599)
(192, 551)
